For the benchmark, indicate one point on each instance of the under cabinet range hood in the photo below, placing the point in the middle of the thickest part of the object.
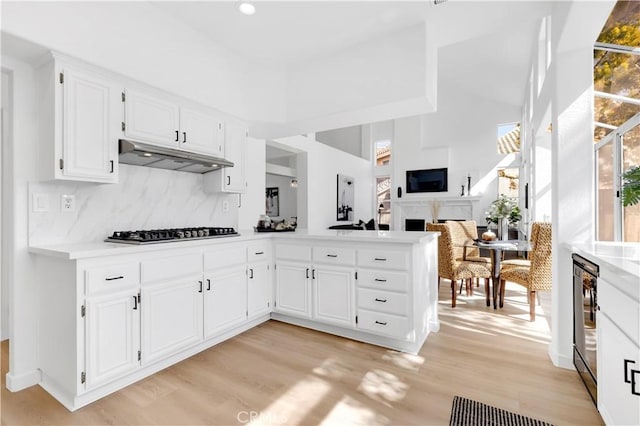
(142, 154)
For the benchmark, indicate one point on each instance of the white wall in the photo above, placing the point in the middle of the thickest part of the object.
(288, 196)
(252, 201)
(317, 179)
(347, 139)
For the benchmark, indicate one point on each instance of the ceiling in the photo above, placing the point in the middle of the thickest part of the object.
(484, 46)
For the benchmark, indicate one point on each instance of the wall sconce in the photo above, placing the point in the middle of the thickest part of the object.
(294, 183)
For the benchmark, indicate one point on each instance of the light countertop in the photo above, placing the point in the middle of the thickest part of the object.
(618, 258)
(98, 249)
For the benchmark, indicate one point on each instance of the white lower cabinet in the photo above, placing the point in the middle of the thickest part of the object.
(333, 299)
(293, 294)
(225, 299)
(259, 291)
(171, 317)
(112, 336)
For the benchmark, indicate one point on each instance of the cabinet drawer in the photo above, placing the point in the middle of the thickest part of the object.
(293, 252)
(384, 280)
(113, 277)
(334, 255)
(225, 257)
(383, 301)
(386, 324)
(259, 251)
(383, 259)
(621, 309)
(167, 268)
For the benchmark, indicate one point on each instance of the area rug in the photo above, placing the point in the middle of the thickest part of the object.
(467, 412)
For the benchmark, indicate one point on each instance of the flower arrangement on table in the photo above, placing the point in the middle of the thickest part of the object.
(503, 211)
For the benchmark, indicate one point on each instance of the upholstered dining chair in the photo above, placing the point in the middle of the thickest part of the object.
(537, 276)
(454, 270)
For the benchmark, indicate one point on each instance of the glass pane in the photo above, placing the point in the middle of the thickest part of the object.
(622, 25)
(616, 73)
(383, 197)
(508, 138)
(612, 112)
(508, 181)
(383, 152)
(631, 158)
(605, 193)
(600, 132)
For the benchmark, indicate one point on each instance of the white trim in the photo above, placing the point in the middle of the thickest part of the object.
(16, 382)
(617, 48)
(617, 98)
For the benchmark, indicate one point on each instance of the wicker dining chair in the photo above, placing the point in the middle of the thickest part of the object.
(454, 270)
(464, 232)
(536, 277)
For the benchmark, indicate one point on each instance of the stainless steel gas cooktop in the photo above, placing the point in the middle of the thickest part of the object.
(167, 235)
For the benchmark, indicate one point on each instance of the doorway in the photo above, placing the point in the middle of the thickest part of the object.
(286, 176)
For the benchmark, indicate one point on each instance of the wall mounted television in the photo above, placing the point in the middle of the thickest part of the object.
(427, 180)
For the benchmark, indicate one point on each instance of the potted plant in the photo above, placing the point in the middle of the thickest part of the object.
(631, 186)
(503, 211)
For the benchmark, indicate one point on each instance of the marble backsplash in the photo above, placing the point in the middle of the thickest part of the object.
(144, 198)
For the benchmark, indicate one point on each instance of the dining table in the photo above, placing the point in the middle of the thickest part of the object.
(496, 249)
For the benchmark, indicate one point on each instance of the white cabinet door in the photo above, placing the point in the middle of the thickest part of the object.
(292, 289)
(235, 145)
(112, 336)
(171, 317)
(90, 125)
(259, 289)
(618, 356)
(200, 132)
(225, 299)
(151, 120)
(333, 299)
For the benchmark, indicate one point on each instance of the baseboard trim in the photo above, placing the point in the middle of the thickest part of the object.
(18, 382)
(561, 361)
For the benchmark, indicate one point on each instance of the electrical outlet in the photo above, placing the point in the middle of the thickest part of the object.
(68, 203)
(225, 206)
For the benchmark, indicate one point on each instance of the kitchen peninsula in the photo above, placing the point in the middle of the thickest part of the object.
(112, 314)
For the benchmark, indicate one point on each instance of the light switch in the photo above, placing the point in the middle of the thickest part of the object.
(40, 203)
(225, 206)
(68, 203)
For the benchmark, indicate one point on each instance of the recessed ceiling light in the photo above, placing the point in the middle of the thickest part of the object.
(246, 8)
(146, 154)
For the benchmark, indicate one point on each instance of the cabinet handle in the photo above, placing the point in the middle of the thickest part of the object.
(381, 323)
(208, 284)
(259, 253)
(114, 278)
(332, 255)
(184, 134)
(633, 382)
(228, 180)
(313, 274)
(381, 300)
(177, 136)
(251, 273)
(135, 303)
(307, 273)
(111, 161)
(380, 280)
(200, 291)
(626, 370)
(381, 259)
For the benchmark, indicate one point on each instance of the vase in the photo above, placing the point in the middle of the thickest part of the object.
(503, 229)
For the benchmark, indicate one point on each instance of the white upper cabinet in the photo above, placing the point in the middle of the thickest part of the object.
(78, 123)
(162, 122)
(150, 119)
(230, 179)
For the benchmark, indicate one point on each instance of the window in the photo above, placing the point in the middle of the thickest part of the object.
(508, 138)
(383, 152)
(382, 178)
(383, 199)
(508, 182)
(616, 81)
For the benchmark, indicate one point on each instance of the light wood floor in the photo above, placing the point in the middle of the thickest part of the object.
(290, 375)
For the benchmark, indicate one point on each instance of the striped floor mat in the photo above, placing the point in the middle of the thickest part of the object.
(467, 412)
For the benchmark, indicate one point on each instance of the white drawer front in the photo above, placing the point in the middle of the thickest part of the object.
(112, 277)
(385, 324)
(383, 259)
(334, 255)
(225, 257)
(383, 280)
(622, 310)
(293, 252)
(259, 251)
(167, 268)
(383, 301)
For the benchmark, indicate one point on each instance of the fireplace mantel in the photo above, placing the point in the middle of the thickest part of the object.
(420, 207)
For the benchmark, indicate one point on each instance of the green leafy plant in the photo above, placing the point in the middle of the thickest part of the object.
(631, 186)
(503, 208)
